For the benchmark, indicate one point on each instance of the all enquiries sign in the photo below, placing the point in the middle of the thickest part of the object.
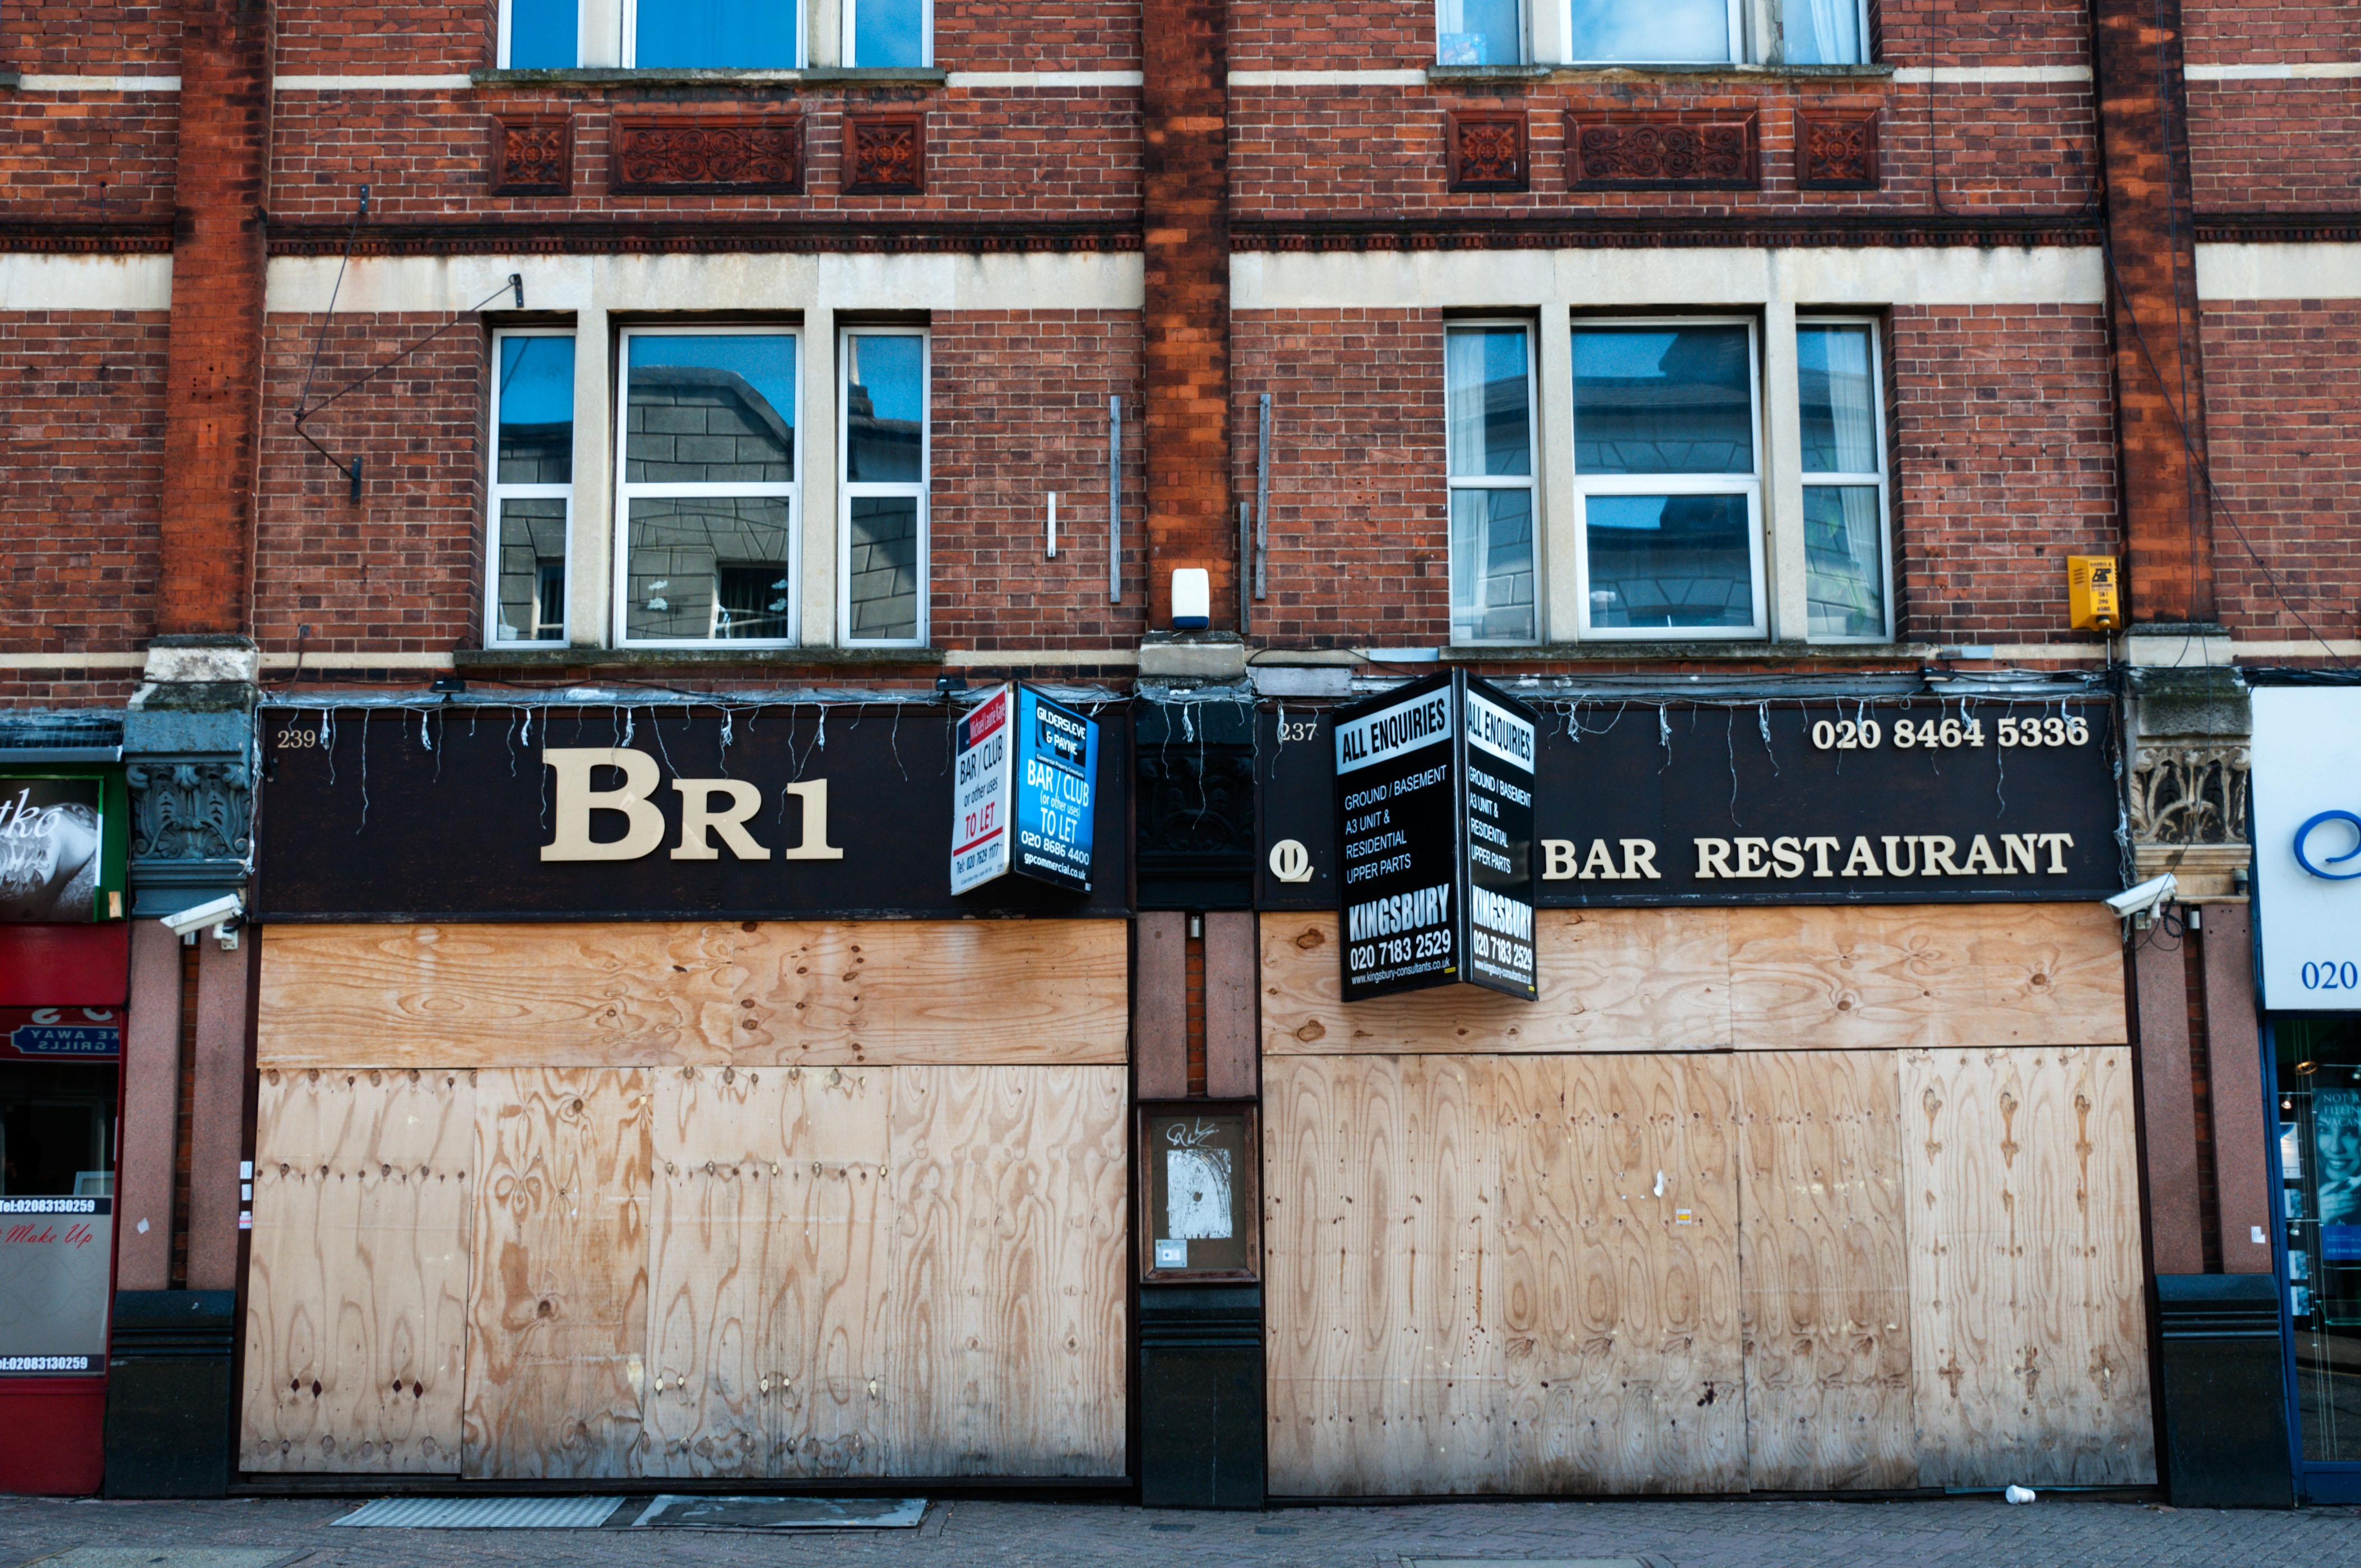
(1023, 771)
(1434, 840)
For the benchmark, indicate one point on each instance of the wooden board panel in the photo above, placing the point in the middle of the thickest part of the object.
(1008, 1296)
(1926, 976)
(1612, 979)
(1381, 1260)
(558, 1308)
(716, 1149)
(1824, 1272)
(1619, 1279)
(828, 1275)
(357, 1286)
(2029, 1331)
(677, 993)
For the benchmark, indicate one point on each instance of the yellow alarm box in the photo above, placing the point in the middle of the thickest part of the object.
(2090, 593)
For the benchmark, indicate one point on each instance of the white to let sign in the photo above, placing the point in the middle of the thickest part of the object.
(980, 793)
(2307, 795)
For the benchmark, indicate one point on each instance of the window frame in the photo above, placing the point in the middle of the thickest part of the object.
(624, 492)
(495, 492)
(1526, 50)
(1750, 485)
(848, 18)
(1530, 482)
(1882, 479)
(1735, 33)
(848, 490)
(625, 42)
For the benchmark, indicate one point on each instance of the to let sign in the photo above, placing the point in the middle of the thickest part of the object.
(1025, 779)
(1434, 803)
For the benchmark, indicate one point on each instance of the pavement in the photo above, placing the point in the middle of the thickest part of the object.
(284, 1533)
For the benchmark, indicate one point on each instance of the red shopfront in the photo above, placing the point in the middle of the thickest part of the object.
(64, 976)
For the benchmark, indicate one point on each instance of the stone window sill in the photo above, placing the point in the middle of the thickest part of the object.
(568, 658)
(596, 76)
(1480, 73)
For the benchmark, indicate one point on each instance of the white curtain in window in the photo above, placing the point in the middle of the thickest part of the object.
(1854, 416)
(1465, 382)
(1823, 32)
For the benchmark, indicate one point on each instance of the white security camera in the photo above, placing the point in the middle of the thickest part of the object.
(2145, 898)
(220, 914)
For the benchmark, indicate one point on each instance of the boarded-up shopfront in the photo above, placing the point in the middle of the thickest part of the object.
(1813, 1167)
(722, 1143)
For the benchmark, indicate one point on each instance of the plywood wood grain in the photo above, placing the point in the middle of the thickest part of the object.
(1618, 1280)
(1926, 976)
(828, 1275)
(1824, 1272)
(1381, 1260)
(358, 1286)
(1612, 979)
(678, 993)
(1008, 1296)
(2028, 1326)
(557, 1314)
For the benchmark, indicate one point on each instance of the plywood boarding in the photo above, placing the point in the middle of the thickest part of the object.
(1619, 1290)
(1380, 1281)
(1009, 1271)
(678, 993)
(357, 1286)
(1824, 1272)
(1926, 976)
(558, 1312)
(2029, 1356)
(1610, 980)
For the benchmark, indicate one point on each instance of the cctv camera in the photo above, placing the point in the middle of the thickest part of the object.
(2143, 899)
(214, 912)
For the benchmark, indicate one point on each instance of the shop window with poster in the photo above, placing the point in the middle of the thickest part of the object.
(1197, 1189)
(2319, 1171)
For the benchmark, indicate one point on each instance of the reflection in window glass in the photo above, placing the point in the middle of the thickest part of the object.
(1663, 400)
(2319, 1171)
(1844, 524)
(888, 32)
(1822, 32)
(1488, 424)
(884, 415)
(742, 35)
(1669, 561)
(708, 485)
(544, 35)
(1661, 31)
(533, 479)
(1479, 32)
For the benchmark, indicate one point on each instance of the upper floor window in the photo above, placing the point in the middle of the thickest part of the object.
(889, 32)
(650, 35)
(1824, 32)
(1659, 32)
(1479, 32)
(531, 489)
(1488, 436)
(883, 451)
(1847, 580)
(706, 493)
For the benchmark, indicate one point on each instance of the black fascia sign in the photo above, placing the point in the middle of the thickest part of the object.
(1435, 846)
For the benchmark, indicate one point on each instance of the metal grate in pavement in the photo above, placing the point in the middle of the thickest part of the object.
(1525, 1562)
(484, 1513)
(669, 1511)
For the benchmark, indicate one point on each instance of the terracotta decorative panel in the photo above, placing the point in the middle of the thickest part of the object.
(1488, 150)
(1661, 152)
(1837, 152)
(885, 155)
(742, 155)
(532, 155)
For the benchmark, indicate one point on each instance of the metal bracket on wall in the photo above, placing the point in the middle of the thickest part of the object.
(1245, 553)
(1262, 503)
(1114, 500)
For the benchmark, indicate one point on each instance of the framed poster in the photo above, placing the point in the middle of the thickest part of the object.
(1200, 1204)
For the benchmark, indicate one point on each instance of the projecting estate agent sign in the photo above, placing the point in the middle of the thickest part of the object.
(1900, 801)
(1434, 838)
(2307, 795)
(682, 811)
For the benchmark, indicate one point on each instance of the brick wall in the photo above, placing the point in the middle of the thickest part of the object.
(2283, 383)
(2275, 146)
(59, 38)
(87, 157)
(81, 478)
(2005, 466)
